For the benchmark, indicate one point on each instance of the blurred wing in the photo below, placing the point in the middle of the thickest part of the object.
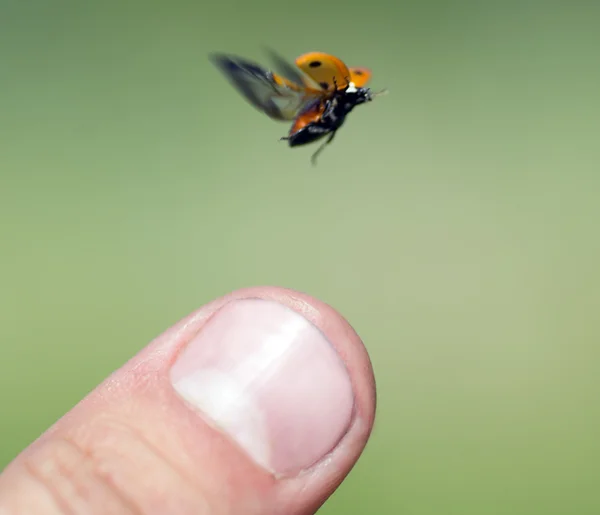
(360, 76)
(326, 70)
(291, 72)
(277, 97)
(285, 69)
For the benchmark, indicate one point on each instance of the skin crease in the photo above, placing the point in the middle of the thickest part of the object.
(134, 446)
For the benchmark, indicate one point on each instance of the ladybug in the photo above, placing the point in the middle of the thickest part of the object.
(317, 94)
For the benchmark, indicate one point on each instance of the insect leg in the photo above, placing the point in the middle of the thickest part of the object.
(313, 158)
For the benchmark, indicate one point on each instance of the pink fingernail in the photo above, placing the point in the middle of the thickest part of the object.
(271, 380)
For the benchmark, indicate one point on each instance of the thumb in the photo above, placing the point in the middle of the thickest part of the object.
(260, 402)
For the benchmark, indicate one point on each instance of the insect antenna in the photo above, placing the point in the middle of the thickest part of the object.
(379, 93)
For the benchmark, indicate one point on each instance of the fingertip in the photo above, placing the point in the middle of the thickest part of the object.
(264, 397)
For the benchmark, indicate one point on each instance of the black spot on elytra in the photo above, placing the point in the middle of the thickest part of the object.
(358, 72)
(314, 64)
(324, 85)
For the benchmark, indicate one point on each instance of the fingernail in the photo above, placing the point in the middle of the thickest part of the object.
(270, 379)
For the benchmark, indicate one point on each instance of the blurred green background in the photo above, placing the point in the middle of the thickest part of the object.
(454, 222)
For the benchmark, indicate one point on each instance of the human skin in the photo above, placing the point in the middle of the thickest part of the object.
(260, 402)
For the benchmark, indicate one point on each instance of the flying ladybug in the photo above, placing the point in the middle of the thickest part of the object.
(317, 94)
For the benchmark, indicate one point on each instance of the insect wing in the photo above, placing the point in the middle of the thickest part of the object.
(292, 73)
(360, 76)
(278, 97)
(284, 68)
(326, 70)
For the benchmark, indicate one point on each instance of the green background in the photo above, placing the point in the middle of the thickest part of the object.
(454, 222)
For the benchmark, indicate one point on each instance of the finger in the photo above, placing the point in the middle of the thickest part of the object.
(259, 402)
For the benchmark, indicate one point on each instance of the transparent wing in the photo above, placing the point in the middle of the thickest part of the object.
(278, 97)
(291, 72)
(284, 68)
